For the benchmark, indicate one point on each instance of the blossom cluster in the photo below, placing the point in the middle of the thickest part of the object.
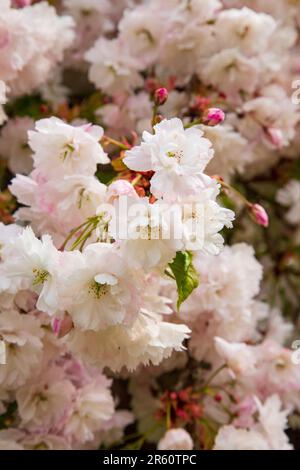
(149, 224)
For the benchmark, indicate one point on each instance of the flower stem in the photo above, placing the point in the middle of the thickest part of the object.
(71, 234)
(115, 142)
(213, 375)
(136, 180)
(193, 123)
(235, 191)
(154, 114)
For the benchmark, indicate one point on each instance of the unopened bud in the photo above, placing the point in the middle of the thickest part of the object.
(21, 3)
(160, 96)
(259, 214)
(61, 327)
(44, 108)
(275, 136)
(213, 116)
(218, 397)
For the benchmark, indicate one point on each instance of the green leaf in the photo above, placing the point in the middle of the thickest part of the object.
(295, 170)
(186, 276)
(90, 106)
(27, 105)
(7, 418)
(106, 174)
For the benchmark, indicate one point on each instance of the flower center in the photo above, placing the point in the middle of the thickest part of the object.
(98, 290)
(67, 151)
(40, 276)
(178, 155)
(83, 197)
(280, 363)
(147, 35)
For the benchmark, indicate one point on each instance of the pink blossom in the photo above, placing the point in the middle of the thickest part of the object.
(120, 188)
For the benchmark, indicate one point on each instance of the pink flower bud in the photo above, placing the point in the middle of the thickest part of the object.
(160, 96)
(21, 3)
(275, 136)
(259, 215)
(213, 116)
(61, 327)
(56, 325)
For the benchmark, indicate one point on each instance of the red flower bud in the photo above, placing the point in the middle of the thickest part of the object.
(183, 395)
(21, 3)
(218, 397)
(160, 96)
(213, 116)
(44, 108)
(182, 415)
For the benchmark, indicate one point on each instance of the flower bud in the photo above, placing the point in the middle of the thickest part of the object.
(21, 3)
(213, 116)
(275, 136)
(160, 96)
(218, 397)
(61, 327)
(259, 214)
